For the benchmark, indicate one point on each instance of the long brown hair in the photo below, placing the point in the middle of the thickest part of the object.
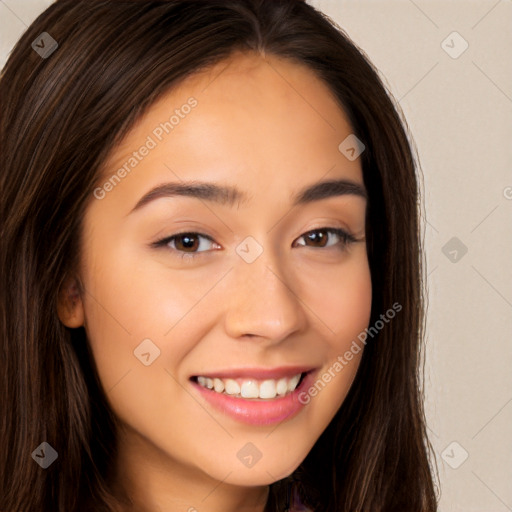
(60, 116)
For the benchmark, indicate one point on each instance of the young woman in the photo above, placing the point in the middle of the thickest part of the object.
(211, 266)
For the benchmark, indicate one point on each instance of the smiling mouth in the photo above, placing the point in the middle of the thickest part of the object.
(250, 388)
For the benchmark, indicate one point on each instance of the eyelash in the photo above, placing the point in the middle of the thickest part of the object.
(346, 239)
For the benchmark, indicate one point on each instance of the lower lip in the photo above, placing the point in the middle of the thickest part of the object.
(258, 411)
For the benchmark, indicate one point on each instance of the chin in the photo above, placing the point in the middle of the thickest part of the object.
(263, 472)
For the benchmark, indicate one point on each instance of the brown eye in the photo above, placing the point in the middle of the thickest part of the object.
(319, 238)
(187, 244)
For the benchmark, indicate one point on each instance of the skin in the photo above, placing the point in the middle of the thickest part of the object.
(270, 127)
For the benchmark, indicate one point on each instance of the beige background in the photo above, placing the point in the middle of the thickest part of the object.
(459, 110)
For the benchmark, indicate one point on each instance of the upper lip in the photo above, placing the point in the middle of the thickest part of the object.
(257, 373)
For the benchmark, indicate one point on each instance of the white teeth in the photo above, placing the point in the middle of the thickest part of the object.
(231, 387)
(282, 387)
(218, 385)
(268, 389)
(251, 388)
(293, 382)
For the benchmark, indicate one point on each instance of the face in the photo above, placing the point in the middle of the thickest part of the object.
(247, 292)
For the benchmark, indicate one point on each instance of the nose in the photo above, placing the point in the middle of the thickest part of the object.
(263, 302)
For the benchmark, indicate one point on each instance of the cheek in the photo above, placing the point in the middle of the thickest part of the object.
(121, 308)
(130, 300)
(341, 299)
(344, 305)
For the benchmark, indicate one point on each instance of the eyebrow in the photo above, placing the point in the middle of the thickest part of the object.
(228, 194)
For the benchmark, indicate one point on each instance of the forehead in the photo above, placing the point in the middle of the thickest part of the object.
(256, 119)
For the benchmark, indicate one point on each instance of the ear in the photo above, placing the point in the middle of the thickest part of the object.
(69, 304)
